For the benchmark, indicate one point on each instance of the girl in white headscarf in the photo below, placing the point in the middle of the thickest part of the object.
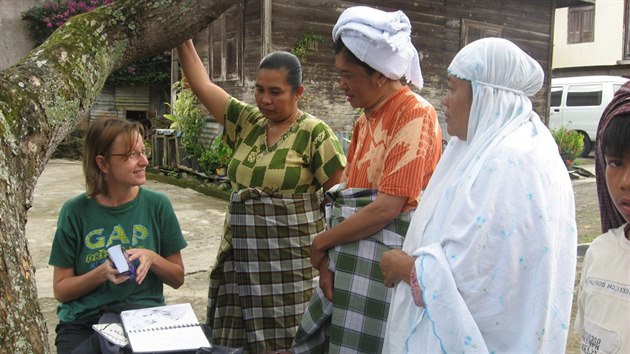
(488, 263)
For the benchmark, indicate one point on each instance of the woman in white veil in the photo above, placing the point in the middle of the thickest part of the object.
(490, 252)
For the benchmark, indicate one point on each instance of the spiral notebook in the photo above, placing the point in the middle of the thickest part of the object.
(163, 329)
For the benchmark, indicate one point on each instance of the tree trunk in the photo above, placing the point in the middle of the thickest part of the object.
(42, 98)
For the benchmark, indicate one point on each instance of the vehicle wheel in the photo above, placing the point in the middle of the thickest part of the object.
(588, 145)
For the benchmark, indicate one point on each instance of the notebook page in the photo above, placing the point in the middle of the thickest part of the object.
(163, 328)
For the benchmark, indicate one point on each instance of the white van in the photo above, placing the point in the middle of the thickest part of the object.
(577, 103)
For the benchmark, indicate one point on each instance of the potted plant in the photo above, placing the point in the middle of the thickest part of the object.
(570, 145)
(188, 118)
(224, 156)
(208, 162)
(215, 159)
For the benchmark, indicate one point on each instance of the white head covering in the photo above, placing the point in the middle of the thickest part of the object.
(382, 40)
(499, 209)
(499, 85)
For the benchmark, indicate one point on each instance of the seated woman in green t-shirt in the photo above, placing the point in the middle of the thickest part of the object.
(115, 210)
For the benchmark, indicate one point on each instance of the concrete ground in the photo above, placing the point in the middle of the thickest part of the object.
(201, 219)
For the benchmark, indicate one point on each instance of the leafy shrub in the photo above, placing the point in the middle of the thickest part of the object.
(187, 117)
(223, 151)
(218, 155)
(306, 44)
(570, 144)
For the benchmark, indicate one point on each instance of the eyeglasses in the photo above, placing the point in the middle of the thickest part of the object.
(131, 155)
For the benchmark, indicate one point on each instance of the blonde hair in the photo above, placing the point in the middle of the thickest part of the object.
(98, 141)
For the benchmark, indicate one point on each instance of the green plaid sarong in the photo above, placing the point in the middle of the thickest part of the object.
(355, 320)
(263, 279)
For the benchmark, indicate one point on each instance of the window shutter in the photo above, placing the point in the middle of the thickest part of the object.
(573, 35)
(216, 50)
(472, 30)
(225, 45)
(581, 24)
(232, 27)
(588, 24)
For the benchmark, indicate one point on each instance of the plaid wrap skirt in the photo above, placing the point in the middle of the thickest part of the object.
(262, 279)
(354, 322)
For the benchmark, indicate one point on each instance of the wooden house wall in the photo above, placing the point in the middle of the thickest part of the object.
(250, 49)
(436, 32)
(526, 23)
(322, 96)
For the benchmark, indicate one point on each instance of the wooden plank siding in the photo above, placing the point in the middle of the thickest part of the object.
(251, 51)
(436, 33)
(526, 23)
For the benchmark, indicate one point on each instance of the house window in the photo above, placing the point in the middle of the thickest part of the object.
(581, 24)
(226, 37)
(473, 30)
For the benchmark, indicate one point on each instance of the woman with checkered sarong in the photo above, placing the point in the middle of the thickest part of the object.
(262, 278)
(395, 146)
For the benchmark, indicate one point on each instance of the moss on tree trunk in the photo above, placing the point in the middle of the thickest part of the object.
(42, 98)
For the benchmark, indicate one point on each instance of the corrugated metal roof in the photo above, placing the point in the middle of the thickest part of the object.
(104, 104)
(134, 98)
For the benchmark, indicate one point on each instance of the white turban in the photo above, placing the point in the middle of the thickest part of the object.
(382, 40)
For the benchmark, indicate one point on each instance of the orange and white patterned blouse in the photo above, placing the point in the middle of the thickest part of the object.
(397, 149)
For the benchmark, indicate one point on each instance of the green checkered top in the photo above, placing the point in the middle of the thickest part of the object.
(300, 162)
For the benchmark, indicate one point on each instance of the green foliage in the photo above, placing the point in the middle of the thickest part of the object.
(187, 117)
(570, 144)
(171, 172)
(306, 44)
(223, 151)
(208, 162)
(154, 70)
(44, 19)
(218, 155)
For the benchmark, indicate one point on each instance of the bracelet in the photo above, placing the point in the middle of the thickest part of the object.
(416, 292)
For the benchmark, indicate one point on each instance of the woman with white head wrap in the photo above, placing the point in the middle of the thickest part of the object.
(488, 263)
(395, 146)
(381, 40)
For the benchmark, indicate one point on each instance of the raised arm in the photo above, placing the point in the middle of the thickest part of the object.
(213, 97)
